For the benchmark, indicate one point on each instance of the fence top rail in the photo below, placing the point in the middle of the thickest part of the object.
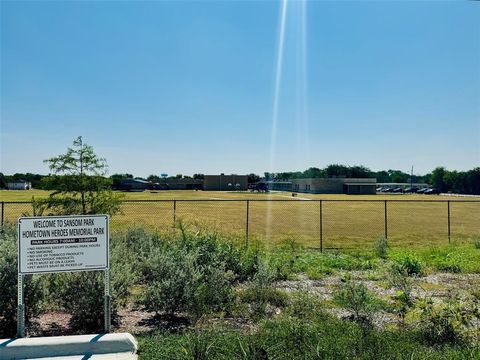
(280, 200)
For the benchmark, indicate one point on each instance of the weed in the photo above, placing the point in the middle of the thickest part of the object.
(398, 277)
(200, 346)
(381, 247)
(283, 259)
(476, 243)
(304, 305)
(260, 294)
(355, 296)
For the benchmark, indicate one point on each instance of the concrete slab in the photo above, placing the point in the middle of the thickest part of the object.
(95, 346)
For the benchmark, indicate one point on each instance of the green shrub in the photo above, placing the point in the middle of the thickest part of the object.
(381, 247)
(82, 293)
(193, 275)
(356, 297)
(410, 265)
(33, 287)
(446, 323)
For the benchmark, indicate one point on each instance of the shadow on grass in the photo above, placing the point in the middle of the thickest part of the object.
(165, 322)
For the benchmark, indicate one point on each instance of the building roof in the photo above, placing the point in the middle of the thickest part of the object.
(18, 181)
(361, 183)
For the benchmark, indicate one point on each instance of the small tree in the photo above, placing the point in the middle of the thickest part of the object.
(79, 182)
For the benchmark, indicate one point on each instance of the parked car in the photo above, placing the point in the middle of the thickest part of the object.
(422, 191)
(397, 190)
(386, 189)
(411, 190)
(432, 191)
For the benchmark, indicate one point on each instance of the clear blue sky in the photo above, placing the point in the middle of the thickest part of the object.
(186, 87)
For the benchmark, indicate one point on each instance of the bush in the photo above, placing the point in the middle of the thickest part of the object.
(355, 296)
(410, 265)
(193, 275)
(381, 247)
(82, 293)
(33, 289)
(446, 323)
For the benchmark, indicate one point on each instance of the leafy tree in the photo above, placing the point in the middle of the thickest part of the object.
(117, 178)
(382, 176)
(154, 178)
(313, 172)
(3, 183)
(79, 182)
(398, 176)
(336, 170)
(359, 172)
(198, 176)
(253, 178)
(472, 181)
(438, 178)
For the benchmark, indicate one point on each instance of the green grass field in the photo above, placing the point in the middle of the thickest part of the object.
(349, 223)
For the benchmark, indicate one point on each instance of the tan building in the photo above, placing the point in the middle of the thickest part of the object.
(224, 182)
(335, 186)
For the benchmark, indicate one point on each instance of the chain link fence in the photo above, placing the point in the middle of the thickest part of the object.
(322, 224)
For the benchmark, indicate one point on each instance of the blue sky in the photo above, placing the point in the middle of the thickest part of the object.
(187, 87)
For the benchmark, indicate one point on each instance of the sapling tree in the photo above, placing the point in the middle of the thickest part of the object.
(79, 184)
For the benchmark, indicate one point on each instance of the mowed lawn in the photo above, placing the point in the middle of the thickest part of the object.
(350, 223)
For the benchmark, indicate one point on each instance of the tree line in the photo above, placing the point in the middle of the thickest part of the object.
(464, 182)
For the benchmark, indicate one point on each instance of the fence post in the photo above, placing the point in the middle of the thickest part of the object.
(386, 221)
(448, 211)
(246, 223)
(3, 212)
(321, 225)
(174, 212)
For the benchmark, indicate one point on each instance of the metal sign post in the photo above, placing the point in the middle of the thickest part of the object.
(107, 304)
(56, 244)
(20, 309)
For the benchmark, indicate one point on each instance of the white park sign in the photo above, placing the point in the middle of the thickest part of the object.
(58, 244)
(55, 244)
